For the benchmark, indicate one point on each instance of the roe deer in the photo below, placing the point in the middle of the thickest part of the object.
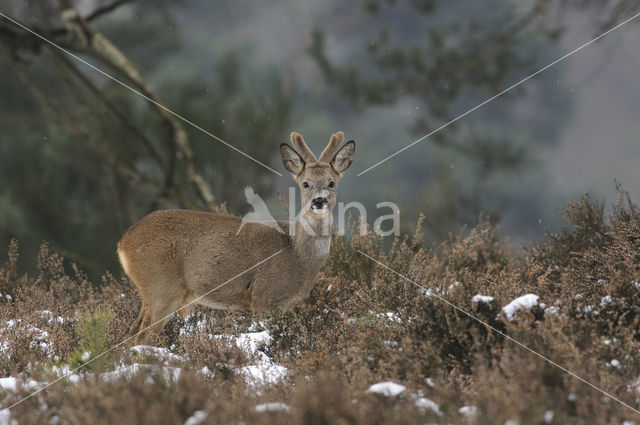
(176, 256)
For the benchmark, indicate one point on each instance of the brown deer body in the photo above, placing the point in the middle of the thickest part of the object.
(176, 256)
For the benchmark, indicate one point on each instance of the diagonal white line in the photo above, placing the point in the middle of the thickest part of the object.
(138, 93)
(139, 332)
(501, 333)
(501, 93)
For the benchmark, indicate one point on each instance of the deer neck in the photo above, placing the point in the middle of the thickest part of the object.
(312, 238)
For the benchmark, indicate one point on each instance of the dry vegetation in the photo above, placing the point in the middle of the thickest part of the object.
(344, 339)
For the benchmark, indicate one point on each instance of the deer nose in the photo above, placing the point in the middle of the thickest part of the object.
(319, 203)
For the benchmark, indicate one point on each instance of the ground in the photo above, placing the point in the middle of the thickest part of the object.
(368, 347)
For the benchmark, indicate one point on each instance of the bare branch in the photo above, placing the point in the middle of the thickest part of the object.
(79, 37)
(120, 164)
(100, 47)
(105, 9)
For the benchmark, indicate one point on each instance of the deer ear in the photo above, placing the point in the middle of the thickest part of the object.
(291, 160)
(343, 158)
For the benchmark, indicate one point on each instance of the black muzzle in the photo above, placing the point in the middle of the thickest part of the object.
(319, 203)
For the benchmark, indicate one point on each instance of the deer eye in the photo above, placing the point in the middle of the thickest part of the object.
(332, 185)
(305, 185)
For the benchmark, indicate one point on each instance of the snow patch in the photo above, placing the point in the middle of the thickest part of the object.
(206, 372)
(197, 418)
(387, 389)
(453, 286)
(470, 412)
(548, 416)
(252, 342)
(423, 404)
(39, 338)
(524, 302)
(614, 363)
(486, 299)
(121, 372)
(158, 352)
(127, 372)
(587, 309)
(50, 317)
(65, 371)
(390, 316)
(5, 418)
(272, 407)
(11, 384)
(192, 328)
(265, 373)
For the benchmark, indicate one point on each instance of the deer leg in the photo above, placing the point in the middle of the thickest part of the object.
(160, 313)
(135, 326)
(145, 332)
(185, 309)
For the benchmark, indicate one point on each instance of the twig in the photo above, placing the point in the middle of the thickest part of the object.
(105, 9)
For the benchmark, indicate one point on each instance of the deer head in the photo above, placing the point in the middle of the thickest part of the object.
(317, 178)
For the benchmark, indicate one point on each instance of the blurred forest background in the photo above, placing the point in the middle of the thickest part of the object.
(82, 158)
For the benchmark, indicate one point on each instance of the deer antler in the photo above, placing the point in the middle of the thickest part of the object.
(302, 148)
(334, 143)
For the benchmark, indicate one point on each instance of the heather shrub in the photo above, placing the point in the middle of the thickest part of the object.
(58, 313)
(363, 324)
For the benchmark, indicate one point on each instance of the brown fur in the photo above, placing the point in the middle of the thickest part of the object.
(176, 256)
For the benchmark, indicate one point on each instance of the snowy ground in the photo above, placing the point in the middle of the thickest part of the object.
(262, 370)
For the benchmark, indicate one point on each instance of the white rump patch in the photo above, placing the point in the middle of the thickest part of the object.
(123, 261)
